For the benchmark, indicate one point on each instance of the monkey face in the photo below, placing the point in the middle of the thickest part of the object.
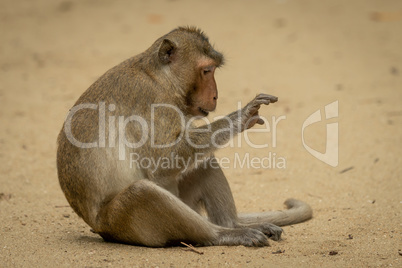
(204, 96)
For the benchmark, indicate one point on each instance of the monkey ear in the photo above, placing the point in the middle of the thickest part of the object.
(167, 51)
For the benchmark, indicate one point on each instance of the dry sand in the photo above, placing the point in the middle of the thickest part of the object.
(309, 53)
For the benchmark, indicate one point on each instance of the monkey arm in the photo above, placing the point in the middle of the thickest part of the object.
(210, 137)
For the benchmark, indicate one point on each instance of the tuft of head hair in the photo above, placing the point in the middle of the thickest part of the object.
(194, 30)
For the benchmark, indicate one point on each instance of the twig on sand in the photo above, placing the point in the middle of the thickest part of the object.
(191, 248)
(346, 169)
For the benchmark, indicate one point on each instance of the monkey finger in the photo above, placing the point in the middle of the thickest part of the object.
(256, 103)
(256, 119)
(259, 102)
(267, 98)
(260, 121)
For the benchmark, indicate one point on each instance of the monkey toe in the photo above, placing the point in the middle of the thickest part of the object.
(270, 230)
(275, 232)
(255, 238)
(245, 236)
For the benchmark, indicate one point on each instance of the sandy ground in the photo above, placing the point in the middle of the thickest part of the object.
(309, 53)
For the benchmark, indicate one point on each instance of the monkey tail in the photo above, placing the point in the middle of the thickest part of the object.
(297, 211)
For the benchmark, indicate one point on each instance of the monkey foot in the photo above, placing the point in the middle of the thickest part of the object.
(272, 231)
(242, 236)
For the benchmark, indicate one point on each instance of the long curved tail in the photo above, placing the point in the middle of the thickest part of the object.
(297, 211)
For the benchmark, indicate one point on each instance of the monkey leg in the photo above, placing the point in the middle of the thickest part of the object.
(207, 186)
(146, 214)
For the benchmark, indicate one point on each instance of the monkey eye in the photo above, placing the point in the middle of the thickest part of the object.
(207, 70)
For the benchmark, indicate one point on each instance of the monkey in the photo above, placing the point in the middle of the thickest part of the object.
(153, 101)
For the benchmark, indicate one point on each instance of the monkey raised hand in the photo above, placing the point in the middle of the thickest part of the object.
(250, 112)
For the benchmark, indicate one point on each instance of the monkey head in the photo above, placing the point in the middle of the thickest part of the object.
(186, 54)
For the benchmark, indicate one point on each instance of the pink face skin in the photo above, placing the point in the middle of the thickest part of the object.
(205, 97)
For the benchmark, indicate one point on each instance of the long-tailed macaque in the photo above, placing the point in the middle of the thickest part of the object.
(140, 112)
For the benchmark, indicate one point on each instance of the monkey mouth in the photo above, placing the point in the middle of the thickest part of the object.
(203, 111)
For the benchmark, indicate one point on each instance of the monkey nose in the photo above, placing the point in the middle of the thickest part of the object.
(214, 103)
